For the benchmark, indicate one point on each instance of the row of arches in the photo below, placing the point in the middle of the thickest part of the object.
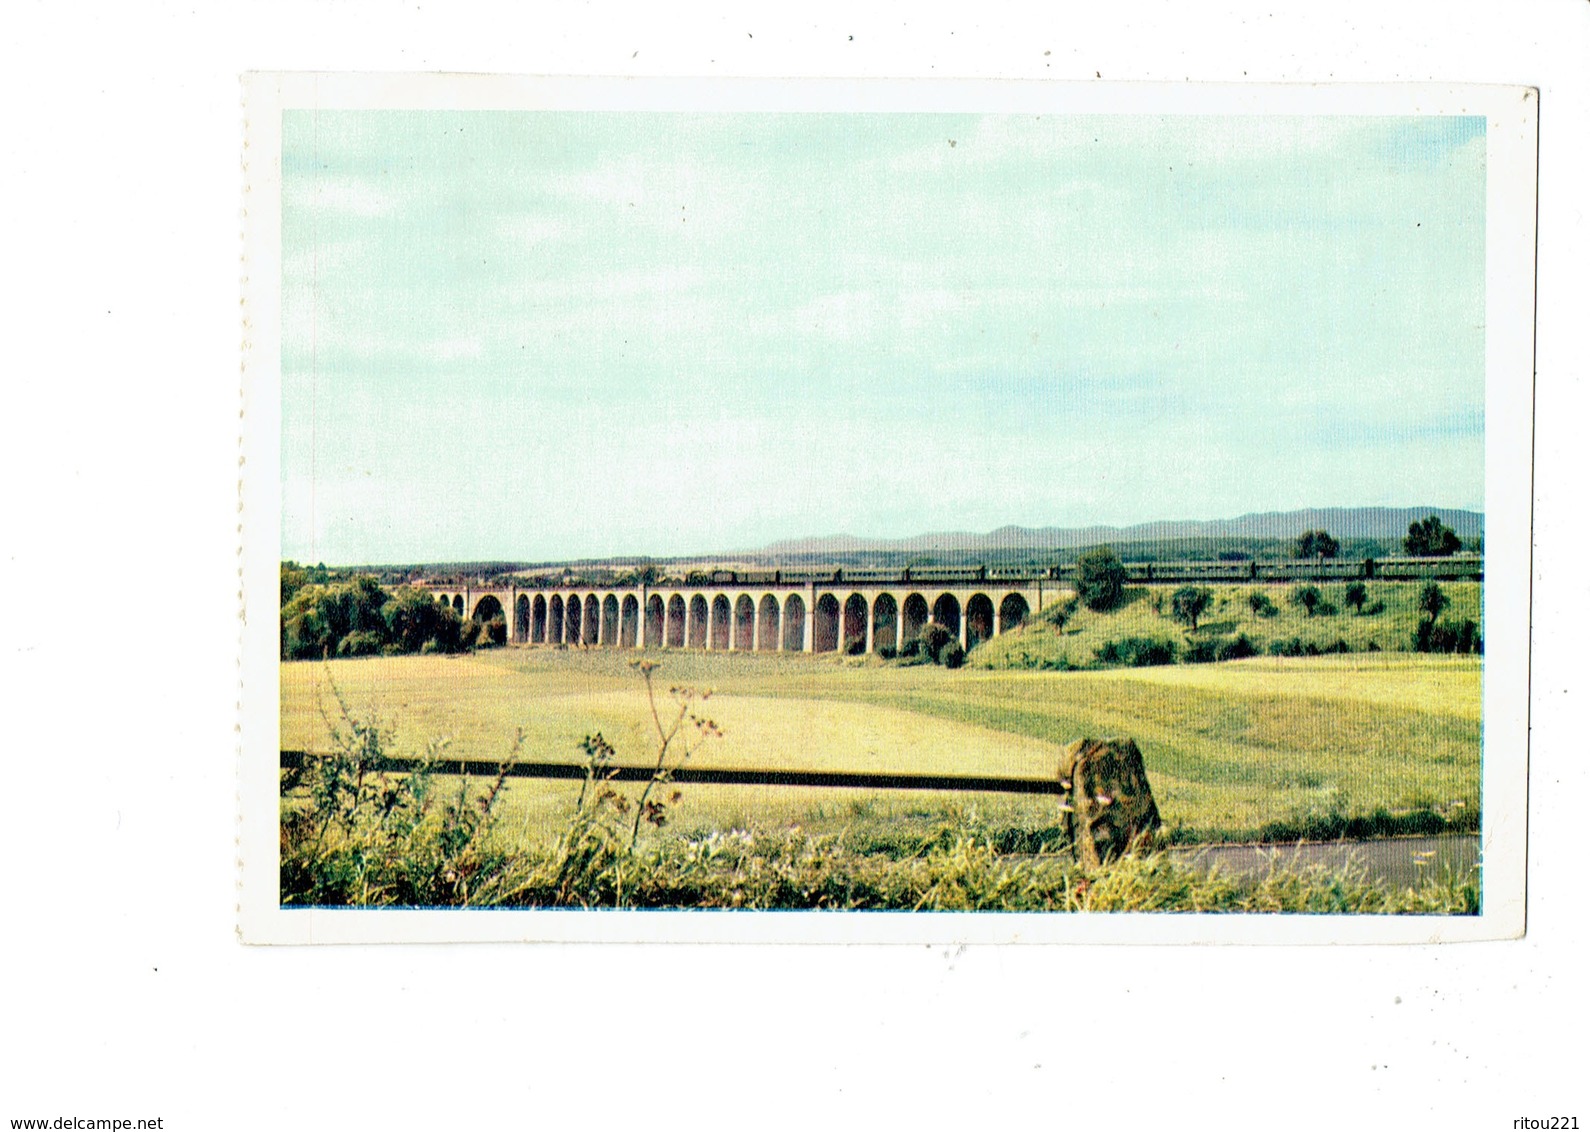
(746, 623)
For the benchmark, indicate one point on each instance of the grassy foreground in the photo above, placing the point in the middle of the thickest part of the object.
(1268, 748)
(961, 870)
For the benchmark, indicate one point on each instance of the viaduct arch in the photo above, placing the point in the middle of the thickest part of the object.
(829, 616)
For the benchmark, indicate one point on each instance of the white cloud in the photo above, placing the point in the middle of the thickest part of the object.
(346, 348)
(340, 194)
(309, 261)
(531, 231)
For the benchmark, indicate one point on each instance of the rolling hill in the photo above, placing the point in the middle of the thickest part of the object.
(1343, 522)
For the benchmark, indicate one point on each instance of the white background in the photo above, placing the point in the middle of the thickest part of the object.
(125, 993)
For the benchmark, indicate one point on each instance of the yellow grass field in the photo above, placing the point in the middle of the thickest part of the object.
(1229, 747)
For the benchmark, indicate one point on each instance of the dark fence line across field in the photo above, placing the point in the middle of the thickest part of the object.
(707, 776)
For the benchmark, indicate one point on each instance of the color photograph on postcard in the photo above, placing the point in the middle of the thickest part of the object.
(690, 504)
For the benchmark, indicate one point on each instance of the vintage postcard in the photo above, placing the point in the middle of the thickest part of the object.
(885, 511)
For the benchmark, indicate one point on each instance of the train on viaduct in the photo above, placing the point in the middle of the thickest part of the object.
(846, 610)
(746, 615)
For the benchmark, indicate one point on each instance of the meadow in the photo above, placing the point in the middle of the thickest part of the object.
(1145, 612)
(1269, 747)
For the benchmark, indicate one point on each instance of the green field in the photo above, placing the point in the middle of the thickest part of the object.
(1230, 748)
(1229, 614)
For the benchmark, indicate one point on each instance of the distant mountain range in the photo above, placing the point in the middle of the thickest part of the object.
(1342, 522)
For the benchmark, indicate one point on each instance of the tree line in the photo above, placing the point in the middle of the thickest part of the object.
(359, 617)
(1427, 538)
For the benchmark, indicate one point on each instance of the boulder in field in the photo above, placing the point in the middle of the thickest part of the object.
(1107, 806)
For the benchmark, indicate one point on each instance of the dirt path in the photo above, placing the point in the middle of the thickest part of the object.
(1398, 861)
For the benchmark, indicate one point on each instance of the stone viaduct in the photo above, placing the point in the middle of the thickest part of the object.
(808, 616)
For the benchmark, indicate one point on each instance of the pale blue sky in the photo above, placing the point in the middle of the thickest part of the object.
(562, 335)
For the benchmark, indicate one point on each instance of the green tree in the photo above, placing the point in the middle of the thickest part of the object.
(319, 617)
(1357, 593)
(1432, 601)
(414, 620)
(305, 635)
(1317, 544)
(1431, 538)
(935, 638)
(1061, 612)
(353, 606)
(356, 617)
(1188, 603)
(1427, 637)
(1101, 578)
(294, 578)
(1308, 597)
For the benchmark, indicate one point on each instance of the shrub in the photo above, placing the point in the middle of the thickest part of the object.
(1237, 648)
(1288, 647)
(934, 638)
(1448, 637)
(1137, 652)
(887, 652)
(1101, 578)
(361, 836)
(1209, 651)
(1355, 595)
(1308, 597)
(361, 643)
(1262, 606)
(1206, 651)
(952, 656)
(1373, 609)
(1061, 612)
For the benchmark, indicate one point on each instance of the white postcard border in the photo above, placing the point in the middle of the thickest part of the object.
(1510, 264)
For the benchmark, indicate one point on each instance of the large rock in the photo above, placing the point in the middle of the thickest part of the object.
(1108, 806)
